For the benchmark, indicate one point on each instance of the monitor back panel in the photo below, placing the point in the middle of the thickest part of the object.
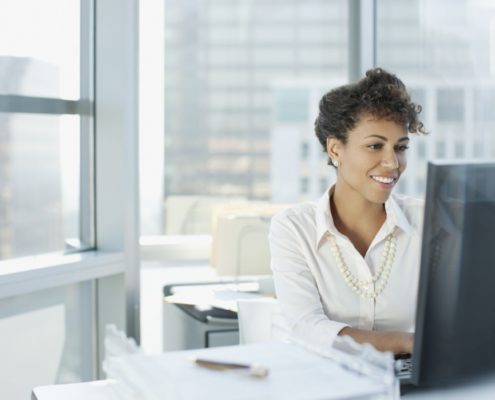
(455, 329)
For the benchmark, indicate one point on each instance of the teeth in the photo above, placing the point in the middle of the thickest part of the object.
(383, 179)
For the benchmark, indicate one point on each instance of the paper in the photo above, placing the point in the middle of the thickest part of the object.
(293, 374)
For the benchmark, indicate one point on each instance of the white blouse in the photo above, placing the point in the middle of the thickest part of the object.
(315, 299)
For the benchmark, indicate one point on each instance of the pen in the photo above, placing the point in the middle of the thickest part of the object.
(255, 370)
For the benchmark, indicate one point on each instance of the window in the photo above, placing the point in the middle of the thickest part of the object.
(291, 106)
(441, 149)
(450, 105)
(324, 184)
(242, 85)
(45, 134)
(304, 185)
(304, 150)
(421, 150)
(443, 50)
(46, 163)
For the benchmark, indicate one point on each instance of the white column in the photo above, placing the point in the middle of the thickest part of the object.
(117, 166)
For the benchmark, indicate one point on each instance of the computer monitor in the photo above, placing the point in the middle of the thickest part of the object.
(455, 320)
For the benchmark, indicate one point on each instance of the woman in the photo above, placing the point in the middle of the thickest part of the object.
(348, 264)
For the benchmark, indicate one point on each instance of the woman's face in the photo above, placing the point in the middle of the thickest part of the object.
(372, 160)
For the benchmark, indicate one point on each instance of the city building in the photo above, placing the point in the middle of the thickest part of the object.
(31, 219)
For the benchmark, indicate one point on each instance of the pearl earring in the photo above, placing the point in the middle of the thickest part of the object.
(335, 163)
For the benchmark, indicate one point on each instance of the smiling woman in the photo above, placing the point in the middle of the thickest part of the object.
(348, 264)
(372, 159)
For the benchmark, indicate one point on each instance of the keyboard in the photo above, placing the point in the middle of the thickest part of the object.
(403, 365)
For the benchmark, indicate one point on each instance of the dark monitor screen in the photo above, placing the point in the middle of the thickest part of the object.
(455, 320)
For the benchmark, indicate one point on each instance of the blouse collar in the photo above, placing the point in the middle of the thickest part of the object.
(325, 224)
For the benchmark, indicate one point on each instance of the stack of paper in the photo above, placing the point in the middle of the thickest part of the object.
(293, 374)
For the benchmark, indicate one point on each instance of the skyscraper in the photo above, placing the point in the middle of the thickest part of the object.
(30, 171)
(222, 59)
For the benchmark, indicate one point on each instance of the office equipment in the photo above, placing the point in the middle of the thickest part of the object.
(191, 215)
(240, 238)
(219, 294)
(197, 315)
(455, 319)
(193, 317)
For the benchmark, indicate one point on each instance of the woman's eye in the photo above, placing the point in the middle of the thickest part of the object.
(402, 148)
(375, 146)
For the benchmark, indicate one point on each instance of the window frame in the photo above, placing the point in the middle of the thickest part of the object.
(85, 108)
(109, 114)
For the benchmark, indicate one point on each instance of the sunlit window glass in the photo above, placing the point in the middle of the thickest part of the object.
(443, 50)
(40, 48)
(43, 122)
(39, 184)
(242, 84)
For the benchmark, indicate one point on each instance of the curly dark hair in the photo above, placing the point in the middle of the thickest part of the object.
(379, 93)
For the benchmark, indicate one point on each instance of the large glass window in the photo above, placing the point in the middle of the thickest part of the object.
(242, 83)
(40, 48)
(45, 127)
(444, 51)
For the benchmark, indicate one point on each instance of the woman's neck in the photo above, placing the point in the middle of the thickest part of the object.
(356, 218)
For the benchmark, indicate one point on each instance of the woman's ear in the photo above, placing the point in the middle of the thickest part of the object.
(334, 147)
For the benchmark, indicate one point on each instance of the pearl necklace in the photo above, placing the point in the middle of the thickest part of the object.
(366, 288)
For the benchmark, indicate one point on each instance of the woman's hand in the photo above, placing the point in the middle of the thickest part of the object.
(400, 342)
(396, 342)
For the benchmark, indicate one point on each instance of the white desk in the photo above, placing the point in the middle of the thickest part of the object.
(96, 390)
(478, 389)
(294, 374)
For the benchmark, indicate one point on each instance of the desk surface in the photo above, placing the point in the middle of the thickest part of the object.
(96, 390)
(478, 389)
(294, 374)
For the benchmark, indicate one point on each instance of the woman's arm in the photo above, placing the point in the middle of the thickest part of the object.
(297, 292)
(396, 342)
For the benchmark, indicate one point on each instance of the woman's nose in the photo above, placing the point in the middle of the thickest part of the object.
(390, 161)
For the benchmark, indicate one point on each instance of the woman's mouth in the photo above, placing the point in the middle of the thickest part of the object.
(385, 181)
